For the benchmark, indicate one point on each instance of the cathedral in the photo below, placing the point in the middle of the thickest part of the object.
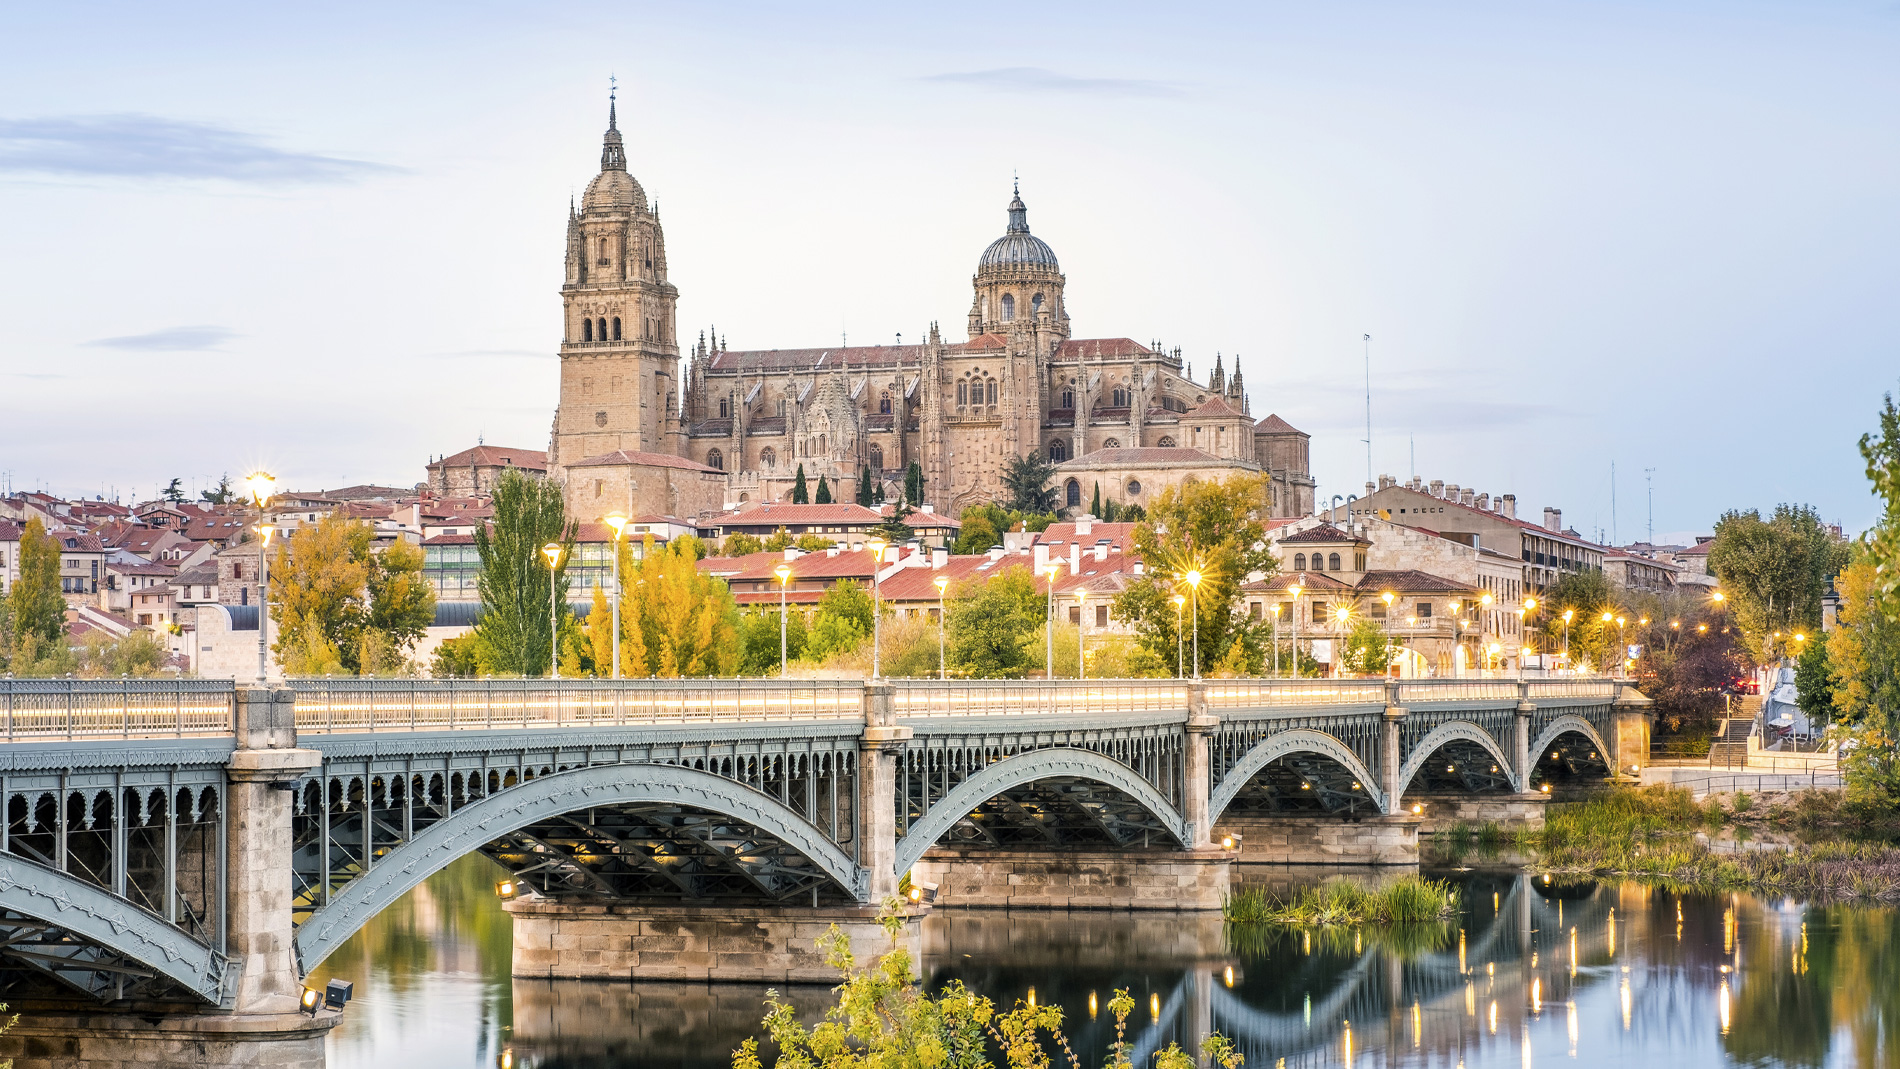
(644, 428)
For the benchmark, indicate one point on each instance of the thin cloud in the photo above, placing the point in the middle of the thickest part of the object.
(169, 340)
(1042, 80)
(148, 146)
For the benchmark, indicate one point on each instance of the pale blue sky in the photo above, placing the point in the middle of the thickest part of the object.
(329, 238)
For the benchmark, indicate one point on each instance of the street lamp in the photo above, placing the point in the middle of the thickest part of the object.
(876, 545)
(1275, 609)
(1295, 590)
(1388, 597)
(259, 485)
(616, 521)
(552, 551)
(942, 583)
(1049, 665)
(1180, 635)
(1568, 613)
(1194, 595)
(1081, 633)
(784, 573)
(1340, 617)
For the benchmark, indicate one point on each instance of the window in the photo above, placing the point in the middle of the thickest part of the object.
(1424, 610)
(1166, 442)
(877, 458)
(1068, 398)
(1075, 614)
(1101, 613)
(616, 328)
(1058, 451)
(716, 459)
(781, 408)
(1299, 562)
(1119, 396)
(963, 393)
(1009, 307)
(1332, 561)
(722, 408)
(768, 457)
(884, 403)
(1378, 609)
(1073, 493)
(992, 385)
(1112, 443)
(587, 330)
(1134, 487)
(1320, 612)
(601, 326)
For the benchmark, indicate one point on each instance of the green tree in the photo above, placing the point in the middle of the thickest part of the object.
(340, 604)
(1026, 485)
(841, 622)
(864, 485)
(139, 654)
(223, 494)
(674, 619)
(1883, 543)
(800, 494)
(457, 658)
(515, 582)
(759, 635)
(1814, 681)
(36, 611)
(914, 485)
(173, 492)
(990, 625)
(1586, 595)
(1774, 572)
(1213, 529)
(741, 544)
(1095, 503)
(1367, 651)
(401, 602)
(824, 491)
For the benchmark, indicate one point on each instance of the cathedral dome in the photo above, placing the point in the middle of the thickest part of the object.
(614, 189)
(1018, 247)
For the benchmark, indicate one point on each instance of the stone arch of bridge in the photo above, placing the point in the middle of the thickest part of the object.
(1283, 744)
(1570, 723)
(1454, 731)
(1026, 768)
(88, 939)
(495, 816)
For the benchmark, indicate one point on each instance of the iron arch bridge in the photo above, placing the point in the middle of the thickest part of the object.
(124, 868)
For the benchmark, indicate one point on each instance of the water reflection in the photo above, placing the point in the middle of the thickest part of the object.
(1533, 970)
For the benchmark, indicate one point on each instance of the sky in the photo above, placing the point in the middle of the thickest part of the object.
(327, 239)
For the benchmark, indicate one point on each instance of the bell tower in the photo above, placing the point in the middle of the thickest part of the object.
(619, 353)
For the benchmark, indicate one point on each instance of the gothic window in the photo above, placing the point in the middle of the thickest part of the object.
(1073, 493)
(877, 458)
(616, 328)
(1058, 451)
(1166, 442)
(716, 459)
(1035, 304)
(601, 326)
(1068, 398)
(992, 391)
(1120, 397)
(768, 457)
(963, 393)
(722, 408)
(1299, 562)
(1332, 561)
(781, 407)
(1009, 307)
(1112, 443)
(587, 330)
(884, 403)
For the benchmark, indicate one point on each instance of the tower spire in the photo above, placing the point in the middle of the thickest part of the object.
(1018, 213)
(613, 155)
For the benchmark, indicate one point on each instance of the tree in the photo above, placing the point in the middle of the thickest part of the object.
(1883, 543)
(36, 611)
(223, 494)
(759, 635)
(1814, 682)
(864, 486)
(978, 531)
(1687, 670)
(516, 581)
(740, 544)
(824, 491)
(1026, 485)
(457, 658)
(1586, 595)
(914, 485)
(1214, 529)
(401, 602)
(1864, 653)
(138, 654)
(1095, 503)
(340, 604)
(800, 495)
(989, 625)
(1367, 650)
(841, 622)
(173, 492)
(674, 619)
(1774, 572)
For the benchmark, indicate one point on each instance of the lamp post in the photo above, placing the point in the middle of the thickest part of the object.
(1276, 640)
(1388, 597)
(259, 484)
(784, 573)
(1622, 647)
(1194, 597)
(1608, 618)
(1568, 613)
(1295, 591)
(1523, 645)
(552, 551)
(1484, 620)
(616, 521)
(942, 583)
(1341, 616)
(876, 545)
(1180, 636)
(1049, 665)
(1081, 633)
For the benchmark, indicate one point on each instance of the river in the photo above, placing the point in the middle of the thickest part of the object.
(1534, 972)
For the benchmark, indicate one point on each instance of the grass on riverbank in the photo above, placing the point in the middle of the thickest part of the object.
(1406, 900)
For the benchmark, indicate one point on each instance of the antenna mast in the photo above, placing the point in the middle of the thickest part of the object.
(1649, 476)
(1368, 342)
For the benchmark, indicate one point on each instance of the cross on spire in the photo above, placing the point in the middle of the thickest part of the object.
(613, 91)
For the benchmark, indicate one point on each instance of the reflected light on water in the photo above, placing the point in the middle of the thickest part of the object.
(1492, 1018)
(1610, 934)
(1624, 997)
(1571, 1025)
(1722, 1000)
(1418, 1026)
(1537, 996)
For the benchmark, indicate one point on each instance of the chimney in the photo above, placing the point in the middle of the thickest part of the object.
(1075, 557)
(1484, 502)
(1468, 498)
(793, 554)
(1042, 557)
(1553, 519)
(1101, 551)
(1438, 488)
(927, 509)
(1083, 525)
(996, 552)
(1417, 483)
(1140, 567)
(1452, 492)
(939, 557)
(1507, 505)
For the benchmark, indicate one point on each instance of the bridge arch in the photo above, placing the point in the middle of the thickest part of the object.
(1564, 725)
(1028, 767)
(551, 795)
(1455, 731)
(91, 940)
(1285, 743)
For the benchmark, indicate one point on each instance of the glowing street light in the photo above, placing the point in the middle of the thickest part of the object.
(784, 573)
(1180, 636)
(617, 521)
(1081, 633)
(552, 551)
(259, 484)
(876, 545)
(1049, 665)
(1295, 591)
(1193, 578)
(942, 583)
(1276, 636)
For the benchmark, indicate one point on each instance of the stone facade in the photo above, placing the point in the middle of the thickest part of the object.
(1077, 879)
(1291, 839)
(473, 472)
(1441, 812)
(1020, 384)
(639, 484)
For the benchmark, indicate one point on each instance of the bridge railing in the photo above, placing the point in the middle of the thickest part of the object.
(330, 706)
(48, 709)
(1007, 697)
(1246, 693)
(1578, 687)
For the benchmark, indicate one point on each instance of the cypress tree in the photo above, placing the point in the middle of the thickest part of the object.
(513, 629)
(914, 484)
(800, 494)
(864, 485)
(1095, 505)
(35, 609)
(824, 490)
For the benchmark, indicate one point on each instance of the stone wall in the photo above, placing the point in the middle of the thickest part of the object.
(1080, 879)
(1323, 840)
(99, 1040)
(1442, 812)
(669, 1023)
(1072, 939)
(774, 944)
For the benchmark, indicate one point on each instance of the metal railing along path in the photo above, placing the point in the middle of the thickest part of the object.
(48, 709)
(1009, 697)
(1246, 693)
(1761, 781)
(326, 706)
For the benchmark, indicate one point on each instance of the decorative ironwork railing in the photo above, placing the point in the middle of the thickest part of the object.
(355, 705)
(35, 709)
(1009, 697)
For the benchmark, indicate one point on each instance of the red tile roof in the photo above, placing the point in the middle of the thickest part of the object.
(776, 514)
(1096, 348)
(848, 564)
(1145, 456)
(1216, 408)
(1273, 424)
(1410, 581)
(635, 457)
(1310, 583)
(1320, 532)
(485, 456)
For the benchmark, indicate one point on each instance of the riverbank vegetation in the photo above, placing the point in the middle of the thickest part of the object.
(1409, 899)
